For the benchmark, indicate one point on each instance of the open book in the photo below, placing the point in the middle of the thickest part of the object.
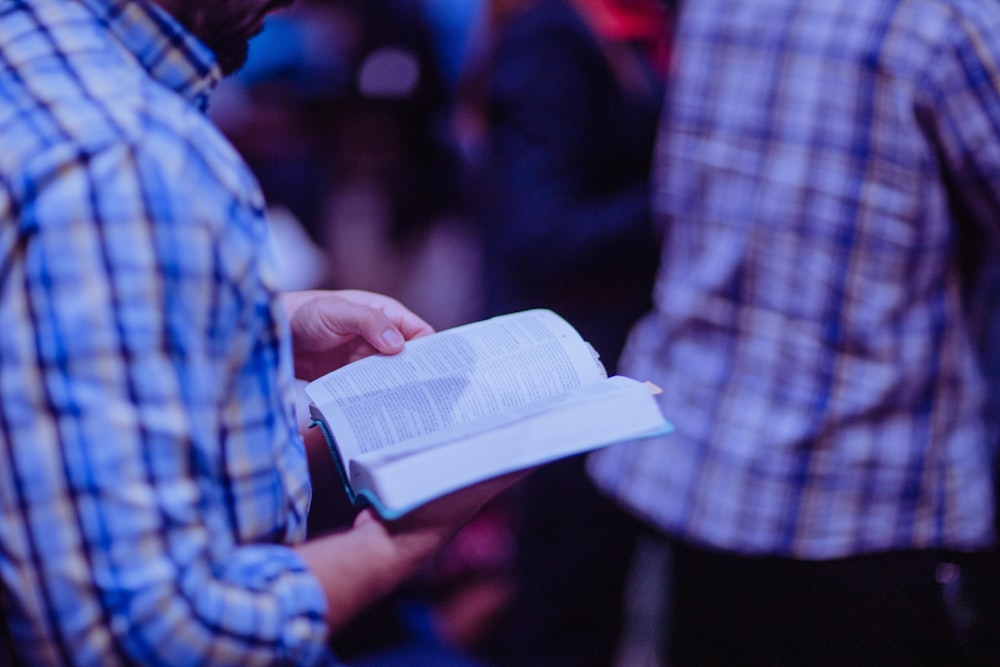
(470, 403)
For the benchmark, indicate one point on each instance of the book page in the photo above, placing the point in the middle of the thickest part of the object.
(592, 416)
(453, 377)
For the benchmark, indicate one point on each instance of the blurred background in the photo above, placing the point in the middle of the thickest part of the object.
(345, 111)
(473, 157)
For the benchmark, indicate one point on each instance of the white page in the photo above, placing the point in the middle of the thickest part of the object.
(596, 415)
(453, 377)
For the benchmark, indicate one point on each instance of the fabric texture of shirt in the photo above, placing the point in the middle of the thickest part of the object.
(152, 477)
(825, 321)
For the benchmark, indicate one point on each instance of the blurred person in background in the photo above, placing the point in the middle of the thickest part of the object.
(396, 123)
(343, 113)
(154, 486)
(826, 331)
(337, 91)
(559, 113)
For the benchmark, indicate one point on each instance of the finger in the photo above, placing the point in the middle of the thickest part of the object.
(409, 323)
(363, 517)
(345, 319)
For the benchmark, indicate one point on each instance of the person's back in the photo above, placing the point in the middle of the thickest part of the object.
(819, 329)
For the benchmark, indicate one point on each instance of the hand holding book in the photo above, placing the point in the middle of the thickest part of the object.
(473, 403)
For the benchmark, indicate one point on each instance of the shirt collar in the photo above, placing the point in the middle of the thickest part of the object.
(164, 48)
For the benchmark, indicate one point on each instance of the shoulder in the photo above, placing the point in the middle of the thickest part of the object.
(73, 101)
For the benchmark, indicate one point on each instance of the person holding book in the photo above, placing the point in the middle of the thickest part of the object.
(826, 331)
(154, 487)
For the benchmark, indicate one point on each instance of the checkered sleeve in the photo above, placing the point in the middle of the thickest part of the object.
(116, 420)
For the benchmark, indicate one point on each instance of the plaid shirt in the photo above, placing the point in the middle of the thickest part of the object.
(829, 185)
(151, 474)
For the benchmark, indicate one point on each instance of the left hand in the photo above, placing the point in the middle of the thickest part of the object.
(334, 328)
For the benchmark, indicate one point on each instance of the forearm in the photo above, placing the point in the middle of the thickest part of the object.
(256, 605)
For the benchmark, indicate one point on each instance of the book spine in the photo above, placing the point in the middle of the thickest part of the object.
(331, 443)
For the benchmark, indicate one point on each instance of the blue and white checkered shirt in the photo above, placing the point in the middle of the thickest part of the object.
(151, 473)
(829, 185)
